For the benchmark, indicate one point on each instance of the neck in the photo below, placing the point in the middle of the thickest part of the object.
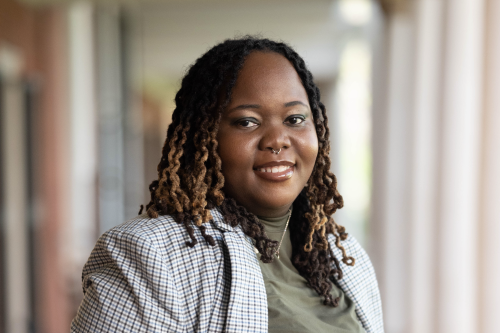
(264, 213)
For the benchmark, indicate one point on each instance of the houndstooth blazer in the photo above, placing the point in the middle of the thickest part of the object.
(141, 277)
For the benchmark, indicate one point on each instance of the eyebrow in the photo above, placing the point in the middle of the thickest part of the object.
(287, 105)
(257, 106)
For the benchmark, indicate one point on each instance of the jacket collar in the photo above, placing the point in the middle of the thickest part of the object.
(219, 223)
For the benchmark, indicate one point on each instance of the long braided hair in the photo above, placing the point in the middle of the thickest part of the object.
(190, 181)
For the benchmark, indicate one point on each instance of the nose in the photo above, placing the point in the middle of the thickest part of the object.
(274, 138)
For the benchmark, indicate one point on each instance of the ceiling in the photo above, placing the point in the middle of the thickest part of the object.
(175, 34)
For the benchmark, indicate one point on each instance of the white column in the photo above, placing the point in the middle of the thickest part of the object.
(424, 166)
(459, 167)
(83, 133)
(391, 156)
(427, 224)
(489, 250)
(14, 215)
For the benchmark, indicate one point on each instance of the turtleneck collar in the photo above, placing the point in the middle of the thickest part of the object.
(274, 224)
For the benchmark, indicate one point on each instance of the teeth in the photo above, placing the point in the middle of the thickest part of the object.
(275, 169)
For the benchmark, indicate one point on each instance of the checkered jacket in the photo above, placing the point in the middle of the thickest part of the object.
(141, 277)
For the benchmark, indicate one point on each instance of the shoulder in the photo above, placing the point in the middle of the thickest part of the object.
(147, 240)
(142, 234)
(157, 230)
(163, 232)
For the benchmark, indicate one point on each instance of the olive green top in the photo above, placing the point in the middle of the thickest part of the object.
(292, 305)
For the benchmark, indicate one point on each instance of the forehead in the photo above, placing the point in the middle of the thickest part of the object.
(268, 75)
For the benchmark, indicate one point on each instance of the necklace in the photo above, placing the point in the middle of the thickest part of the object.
(277, 253)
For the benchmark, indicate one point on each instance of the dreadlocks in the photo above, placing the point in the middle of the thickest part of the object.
(190, 181)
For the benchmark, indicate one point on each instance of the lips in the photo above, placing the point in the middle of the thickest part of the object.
(275, 171)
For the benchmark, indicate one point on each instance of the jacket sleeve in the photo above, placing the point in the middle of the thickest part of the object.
(127, 288)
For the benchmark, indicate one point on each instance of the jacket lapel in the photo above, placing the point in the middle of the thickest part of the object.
(247, 310)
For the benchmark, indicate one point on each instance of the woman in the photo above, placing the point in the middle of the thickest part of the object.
(245, 168)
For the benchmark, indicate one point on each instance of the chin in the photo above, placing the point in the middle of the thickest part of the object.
(272, 203)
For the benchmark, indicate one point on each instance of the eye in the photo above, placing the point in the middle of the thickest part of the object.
(247, 123)
(295, 120)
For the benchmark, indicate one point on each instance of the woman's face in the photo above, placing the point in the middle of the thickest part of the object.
(269, 109)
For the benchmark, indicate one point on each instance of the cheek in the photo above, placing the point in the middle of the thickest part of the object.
(309, 148)
(225, 153)
(234, 154)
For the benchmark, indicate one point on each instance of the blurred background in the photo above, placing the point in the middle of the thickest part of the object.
(411, 87)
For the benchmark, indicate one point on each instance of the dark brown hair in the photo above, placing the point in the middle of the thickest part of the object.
(190, 181)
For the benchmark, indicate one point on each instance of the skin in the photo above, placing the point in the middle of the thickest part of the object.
(269, 109)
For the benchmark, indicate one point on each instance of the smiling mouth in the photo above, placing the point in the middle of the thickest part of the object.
(275, 169)
(276, 173)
